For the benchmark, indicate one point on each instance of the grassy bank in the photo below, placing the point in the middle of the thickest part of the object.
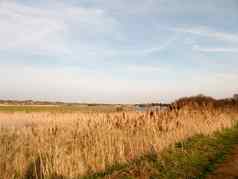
(192, 158)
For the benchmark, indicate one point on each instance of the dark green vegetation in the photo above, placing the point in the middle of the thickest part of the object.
(192, 158)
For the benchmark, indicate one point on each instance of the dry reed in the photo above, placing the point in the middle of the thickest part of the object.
(37, 145)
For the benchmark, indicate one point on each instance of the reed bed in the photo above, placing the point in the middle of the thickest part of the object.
(41, 145)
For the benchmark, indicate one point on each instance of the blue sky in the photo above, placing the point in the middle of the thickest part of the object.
(118, 51)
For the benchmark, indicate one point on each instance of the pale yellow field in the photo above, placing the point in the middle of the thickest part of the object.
(75, 144)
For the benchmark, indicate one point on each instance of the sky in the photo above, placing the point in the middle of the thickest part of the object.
(119, 51)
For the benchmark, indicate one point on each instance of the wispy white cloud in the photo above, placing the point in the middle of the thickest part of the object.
(63, 29)
(148, 69)
(47, 30)
(30, 29)
(160, 47)
(140, 51)
(149, 50)
(207, 49)
(207, 32)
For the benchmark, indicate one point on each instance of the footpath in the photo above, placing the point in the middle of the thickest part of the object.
(227, 169)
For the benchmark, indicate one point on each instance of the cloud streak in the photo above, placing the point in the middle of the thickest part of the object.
(222, 50)
(206, 32)
(47, 31)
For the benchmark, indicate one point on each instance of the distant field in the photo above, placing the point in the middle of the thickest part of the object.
(63, 108)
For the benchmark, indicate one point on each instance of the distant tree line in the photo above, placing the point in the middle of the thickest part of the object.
(196, 102)
(204, 101)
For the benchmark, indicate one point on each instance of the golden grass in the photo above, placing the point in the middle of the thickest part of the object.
(36, 145)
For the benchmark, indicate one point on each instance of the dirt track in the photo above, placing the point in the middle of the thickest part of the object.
(228, 169)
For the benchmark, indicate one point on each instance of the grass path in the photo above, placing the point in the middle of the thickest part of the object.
(227, 169)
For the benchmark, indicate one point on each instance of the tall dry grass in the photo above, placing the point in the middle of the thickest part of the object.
(39, 145)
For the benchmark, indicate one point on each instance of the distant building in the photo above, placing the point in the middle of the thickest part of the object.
(235, 97)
